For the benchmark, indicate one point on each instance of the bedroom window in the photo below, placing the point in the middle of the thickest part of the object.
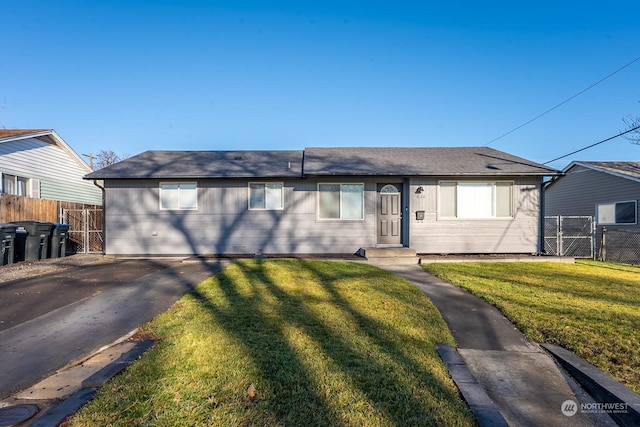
(18, 185)
(266, 196)
(475, 200)
(178, 196)
(341, 201)
(618, 213)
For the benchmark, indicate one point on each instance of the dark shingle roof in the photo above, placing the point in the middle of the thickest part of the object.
(322, 162)
(626, 169)
(427, 161)
(205, 164)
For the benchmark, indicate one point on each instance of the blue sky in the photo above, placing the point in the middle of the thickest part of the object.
(135, 75)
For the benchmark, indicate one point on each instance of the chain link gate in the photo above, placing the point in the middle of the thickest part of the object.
(570, 236)
(85, 230)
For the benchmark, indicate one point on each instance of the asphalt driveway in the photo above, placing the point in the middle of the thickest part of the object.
(49, 321)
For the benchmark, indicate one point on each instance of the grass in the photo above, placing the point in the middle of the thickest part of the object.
(289, 343)
(590, 308)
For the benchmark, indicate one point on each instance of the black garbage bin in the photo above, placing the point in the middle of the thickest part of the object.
(32, 240)
(58, 243)
(7, 243)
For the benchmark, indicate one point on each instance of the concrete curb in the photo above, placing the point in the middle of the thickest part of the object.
(59, 412)
(484, 409)
(599, 385)
(56, 415)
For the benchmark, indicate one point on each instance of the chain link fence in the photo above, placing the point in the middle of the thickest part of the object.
(86, 229)
(579, 237)
(618, 245)
(570, 236)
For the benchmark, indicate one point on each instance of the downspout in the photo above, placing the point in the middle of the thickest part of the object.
(541, 221)
(104, 222)
(406, 210)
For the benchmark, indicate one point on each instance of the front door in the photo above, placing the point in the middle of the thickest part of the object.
(389, 216)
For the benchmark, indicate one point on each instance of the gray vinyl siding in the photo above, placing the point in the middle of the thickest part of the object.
(59, 173)
(582, 189)
(223, 223)
(435, 235)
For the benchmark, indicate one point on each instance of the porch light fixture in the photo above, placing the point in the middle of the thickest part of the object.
(419, 190)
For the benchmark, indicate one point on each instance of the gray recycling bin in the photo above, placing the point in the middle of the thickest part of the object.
(7, 243)
(32, 240)
(58, 243)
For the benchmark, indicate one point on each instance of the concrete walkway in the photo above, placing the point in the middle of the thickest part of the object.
(521, 379)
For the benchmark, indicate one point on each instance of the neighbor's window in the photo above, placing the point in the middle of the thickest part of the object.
(341, 201)
(475, 200)
(19, 186)
(265, 195)
(179, 196)
(617, 213)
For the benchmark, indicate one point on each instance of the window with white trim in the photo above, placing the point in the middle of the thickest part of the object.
(19, 185)
(178, 196)
(266, 196)
(617, 213)
(475, 199)
(341, 201)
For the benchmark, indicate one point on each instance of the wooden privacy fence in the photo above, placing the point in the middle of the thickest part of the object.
(19, 208)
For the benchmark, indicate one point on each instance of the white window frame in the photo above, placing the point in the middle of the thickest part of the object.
(179, 189)
(14, 186)
(600, 207)
(491, 212)
(265, 186)
(340, 201)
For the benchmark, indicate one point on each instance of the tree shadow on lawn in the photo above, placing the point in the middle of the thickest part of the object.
(298, 399)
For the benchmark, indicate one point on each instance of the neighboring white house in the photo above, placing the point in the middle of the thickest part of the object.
(38, 163)
(323, 200)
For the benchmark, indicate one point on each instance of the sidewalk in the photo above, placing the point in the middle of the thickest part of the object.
(522, 380)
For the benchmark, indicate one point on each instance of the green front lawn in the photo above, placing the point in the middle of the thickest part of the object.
(288, 342)
(590, 308)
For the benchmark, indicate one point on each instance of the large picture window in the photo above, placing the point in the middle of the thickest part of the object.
(618, 213)
(475, 200)
(341, 201)
(266, 196)
(178, 196)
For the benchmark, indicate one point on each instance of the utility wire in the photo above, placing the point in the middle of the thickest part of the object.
(562, 103)
(593, 145)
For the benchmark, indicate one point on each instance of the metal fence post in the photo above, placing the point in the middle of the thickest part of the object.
(603, 245)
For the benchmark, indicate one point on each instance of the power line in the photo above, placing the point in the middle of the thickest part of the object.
(563, 102)
(593, 145)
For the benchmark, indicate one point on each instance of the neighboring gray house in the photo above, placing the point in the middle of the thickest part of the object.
(323, 200)
(607, 191)
(38, 163)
